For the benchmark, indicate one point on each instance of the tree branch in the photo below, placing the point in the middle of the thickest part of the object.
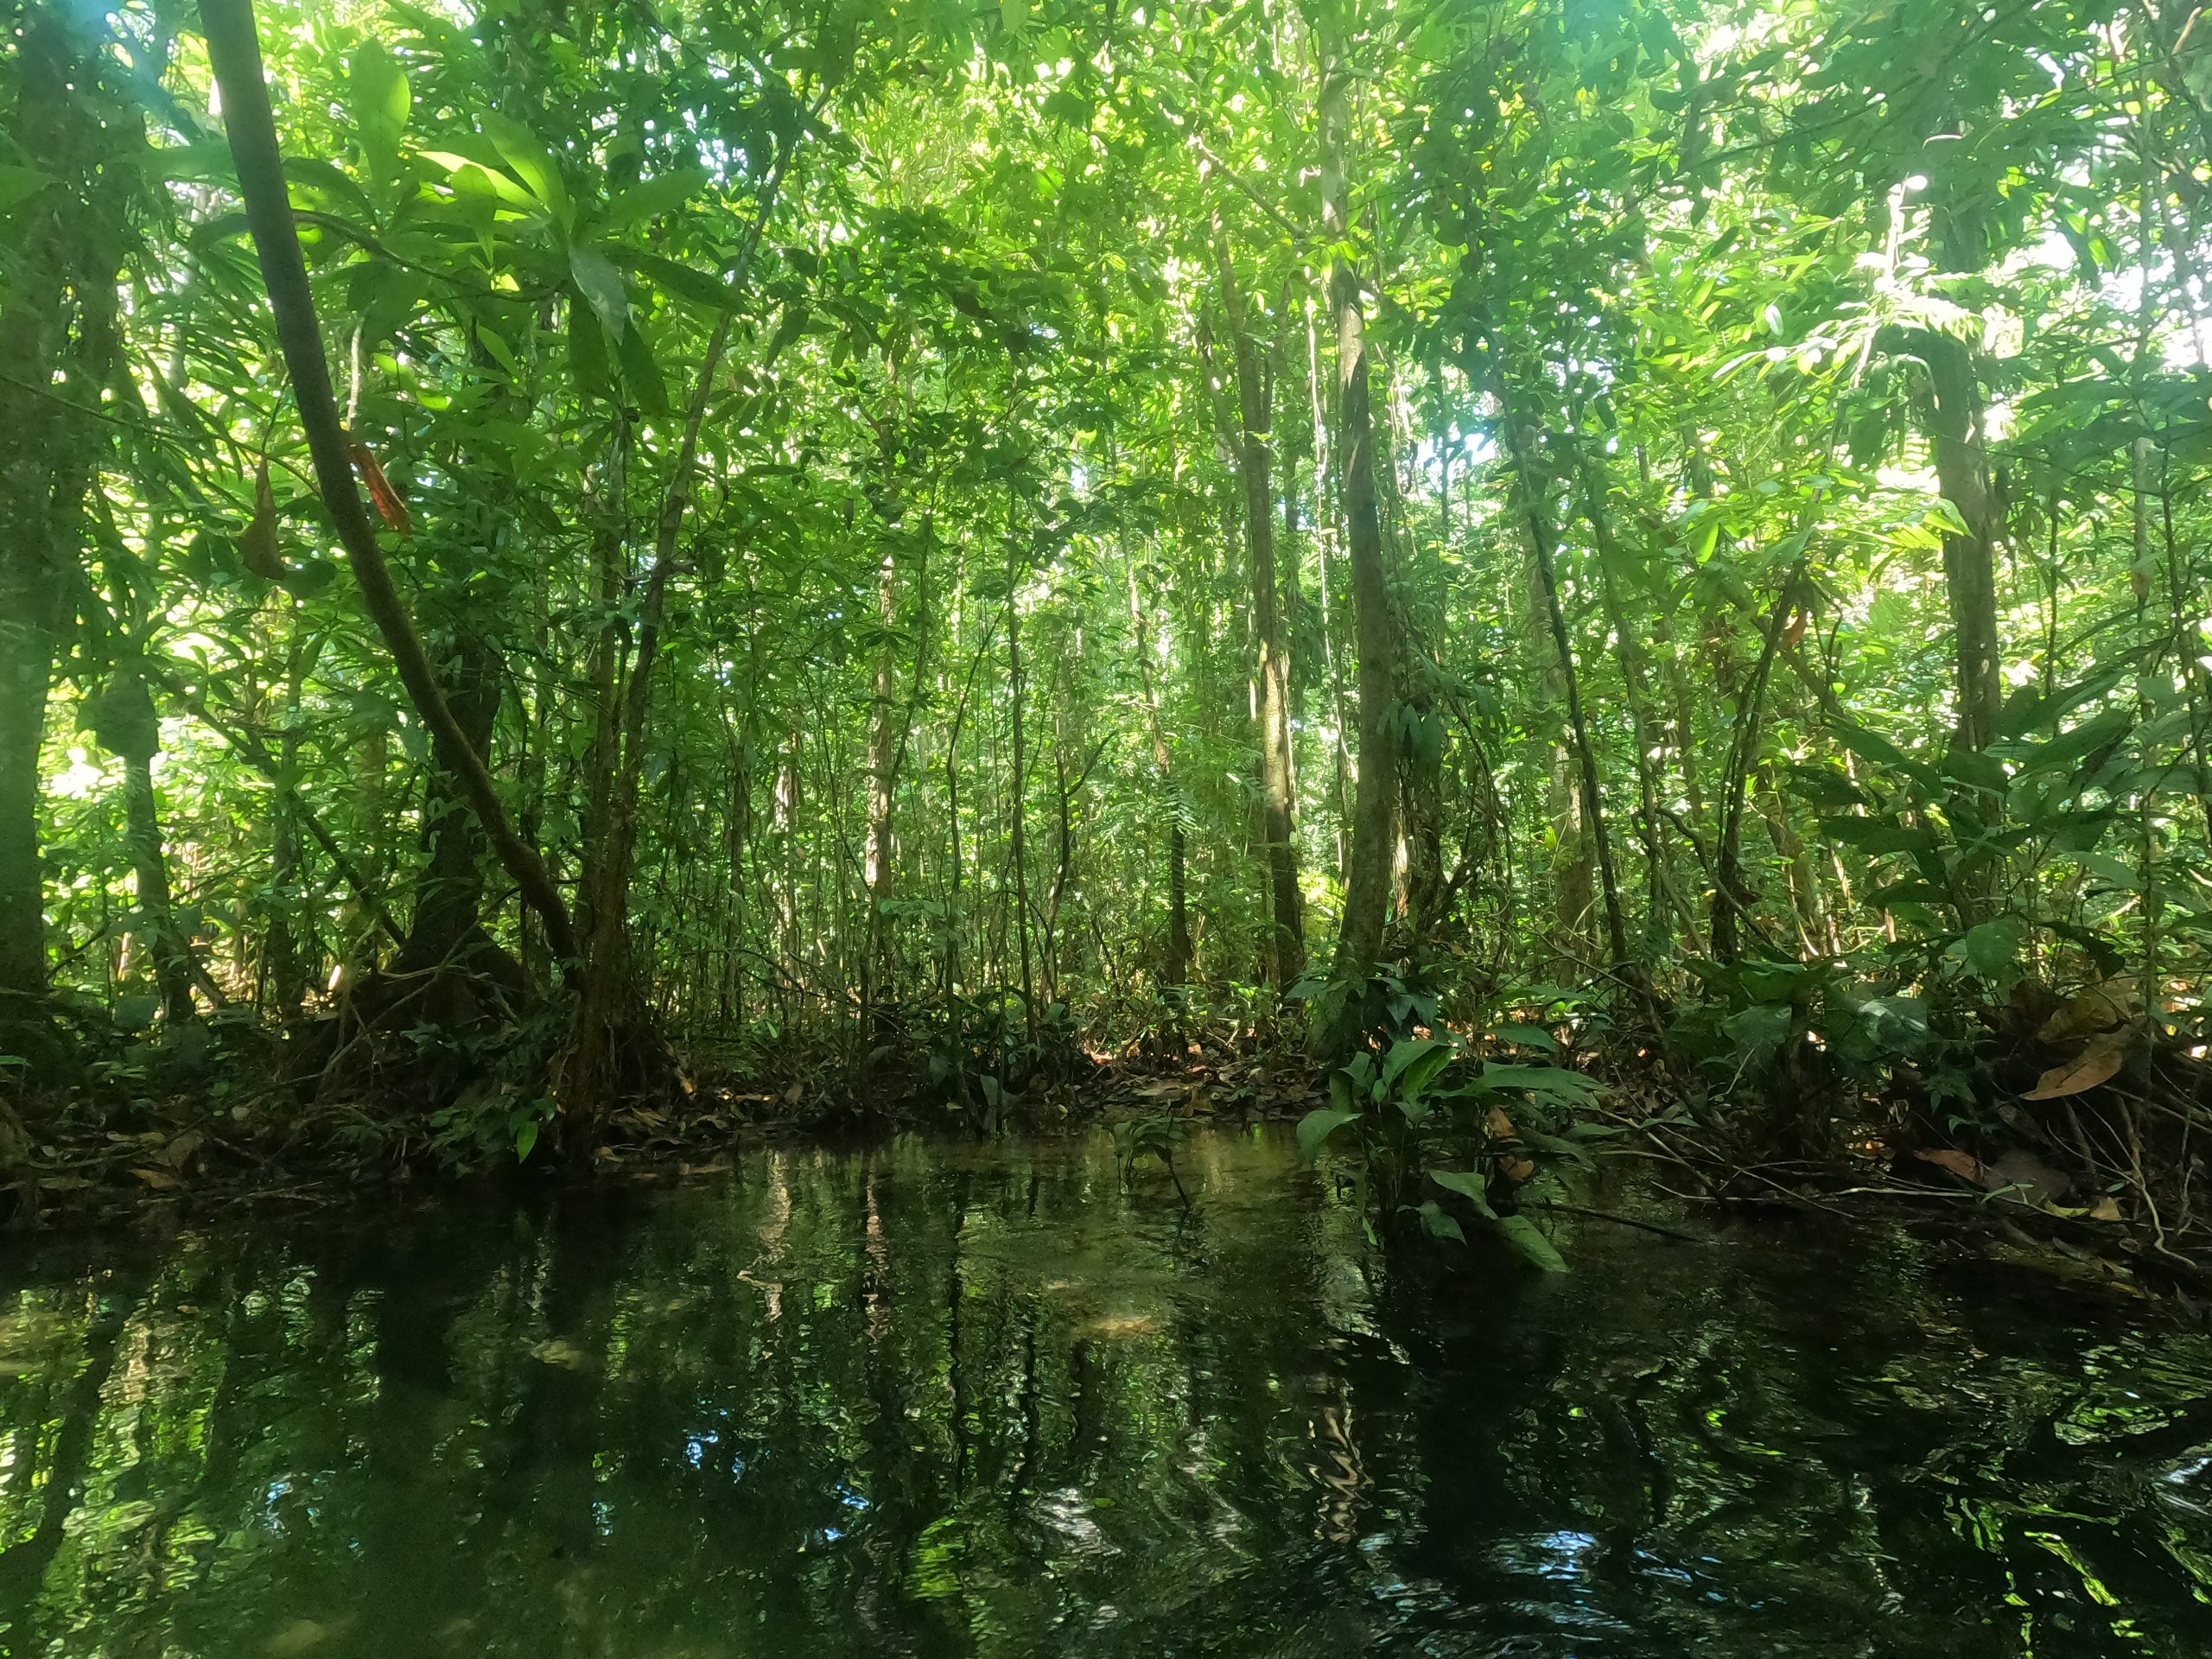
(234, 52)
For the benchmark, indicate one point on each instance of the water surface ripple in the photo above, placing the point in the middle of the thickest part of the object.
(934, 1399)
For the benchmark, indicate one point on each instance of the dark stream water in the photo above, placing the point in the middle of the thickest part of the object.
(943, 1400)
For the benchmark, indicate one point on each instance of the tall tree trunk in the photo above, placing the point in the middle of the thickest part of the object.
(882, 760)
(284, 956)
(450, 895)
(1255, 470)
(1175, 972)
(614, 1047)
(150, 876)
(58, 350)
(1530, 489)
(1650, 735)
(1018, 831)
(1367, 877)
(1331, 665)
(1955, 417)
(1572, 874)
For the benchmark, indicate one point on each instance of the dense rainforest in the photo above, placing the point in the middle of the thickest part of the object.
(1500, 574)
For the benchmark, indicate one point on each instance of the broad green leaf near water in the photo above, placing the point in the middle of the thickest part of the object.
(1469, 1185)
(1316, 1126)
(1524, 1235)
(1438, 1225)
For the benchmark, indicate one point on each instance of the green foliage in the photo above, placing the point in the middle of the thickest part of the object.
(810, 438)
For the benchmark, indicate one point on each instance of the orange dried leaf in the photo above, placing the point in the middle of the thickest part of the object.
(390, 507)
(2085, 1071)
(1964, 1164)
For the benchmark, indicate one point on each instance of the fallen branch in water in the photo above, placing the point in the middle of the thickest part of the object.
(1624, 1221)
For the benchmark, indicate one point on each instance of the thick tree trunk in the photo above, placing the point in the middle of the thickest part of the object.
(58, 345)
(449, 894)
(1367, 877)
(1255, 470)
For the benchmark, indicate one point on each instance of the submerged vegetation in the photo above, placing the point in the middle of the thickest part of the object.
(1599, 567)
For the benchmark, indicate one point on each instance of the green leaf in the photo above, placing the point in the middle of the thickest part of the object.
(525, 1141)
(309, 578)
(588, 352)
(1992, 948)
(2117, 871)
(377, 89)
(601, 285)
(1405, 1053)
(1825, 787)
(641, 374)
(22, 183)
(1555, 1081)
(1762, 1027)
(1972, 767)
(1527, 1037)
(700, 287)
(1472, 1187)
(532, 163)
(1874, 747)
(2069, 747)
(1524, 1235)
(1437, 1224)
(1316, 1126)
(655, 196)
(1558, 1146)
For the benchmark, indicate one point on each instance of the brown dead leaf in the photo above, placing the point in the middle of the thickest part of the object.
(1501, 1128)
(1964, 1164)
(2105, 1209)
(795, 1094)
(2094, 1009)
(179, 1152)
(160, 1179)
(258, 542)
(390, 507)
(2092, 1066)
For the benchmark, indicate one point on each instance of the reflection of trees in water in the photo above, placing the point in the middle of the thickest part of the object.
(904, 1402)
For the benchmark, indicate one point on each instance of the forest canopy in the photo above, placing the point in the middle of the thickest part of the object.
(548, 552)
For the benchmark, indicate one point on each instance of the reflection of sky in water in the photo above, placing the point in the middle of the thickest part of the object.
(960, 1401)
